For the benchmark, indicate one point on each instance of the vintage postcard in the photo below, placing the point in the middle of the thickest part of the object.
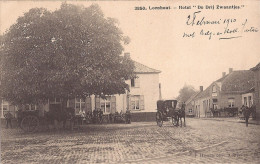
(130, 81)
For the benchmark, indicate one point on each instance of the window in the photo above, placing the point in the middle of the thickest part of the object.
(214, 89)
(135, 102)
(55, 101)
(80, 104)
(190, 110)
(250, 101)
(245, 101)
(231, 102)
(30, 107)
(105, 104)
(132, 82)
(135, 82)
(5, 105)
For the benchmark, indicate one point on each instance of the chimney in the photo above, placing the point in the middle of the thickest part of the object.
(201, 88)
(160, 92)
(127, 54)
(230, 70)
(223, 74)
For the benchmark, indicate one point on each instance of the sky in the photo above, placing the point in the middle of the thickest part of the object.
(157, 37)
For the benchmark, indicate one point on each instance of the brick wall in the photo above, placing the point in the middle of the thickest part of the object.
(223, 100)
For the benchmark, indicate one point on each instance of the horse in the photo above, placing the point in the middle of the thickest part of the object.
(215, 112)
(180, 115)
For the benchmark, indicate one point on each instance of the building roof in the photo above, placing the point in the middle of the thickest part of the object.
(238, 81)
(203, 94)
(140, 68)
(235, 82)
(257, 67)
(192, 97)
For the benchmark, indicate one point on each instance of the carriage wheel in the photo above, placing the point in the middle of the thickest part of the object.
(230, 114)
(159, 119)
(30, 123)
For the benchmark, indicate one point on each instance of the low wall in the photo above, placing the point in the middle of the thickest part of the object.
(135, 117)
(142, 117)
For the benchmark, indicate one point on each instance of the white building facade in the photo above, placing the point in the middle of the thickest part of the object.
(142, 97)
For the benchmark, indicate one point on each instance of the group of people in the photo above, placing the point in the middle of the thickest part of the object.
(97, 116)
(121, 117)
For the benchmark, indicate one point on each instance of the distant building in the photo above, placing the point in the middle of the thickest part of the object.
(224, 92)
(256, 71)
(190, 104)
(202, 103)
(142, 98)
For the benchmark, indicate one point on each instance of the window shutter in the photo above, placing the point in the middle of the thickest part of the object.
(113, 104)
(97, 99)
(141, 102)
(130, 103)
(72, 103)
(88, 104)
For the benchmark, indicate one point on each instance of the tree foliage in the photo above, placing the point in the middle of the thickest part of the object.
(185, 93)
(73, 51)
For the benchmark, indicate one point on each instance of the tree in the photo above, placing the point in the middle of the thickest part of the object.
(185, 93)
(73, 51)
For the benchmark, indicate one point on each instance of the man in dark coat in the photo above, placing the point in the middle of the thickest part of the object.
(246, 112)
(95, 115)
(128, 116)
(100, 115)
(8, 116)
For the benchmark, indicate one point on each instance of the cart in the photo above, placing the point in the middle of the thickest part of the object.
(166, 110)
(30, 120)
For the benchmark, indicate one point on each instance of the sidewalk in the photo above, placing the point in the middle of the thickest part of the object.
(231, 119)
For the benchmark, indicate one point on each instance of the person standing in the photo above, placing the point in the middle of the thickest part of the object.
(8, 116)
(100, 115)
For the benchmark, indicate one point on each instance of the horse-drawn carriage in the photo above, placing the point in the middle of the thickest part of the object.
(30, 120)
(167, 110)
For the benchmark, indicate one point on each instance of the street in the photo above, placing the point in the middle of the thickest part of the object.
(201, 141)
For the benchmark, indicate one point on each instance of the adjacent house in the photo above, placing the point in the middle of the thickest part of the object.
(142, 97)
(256, 98)
(190, 104)
(202, 103)
(228, 91)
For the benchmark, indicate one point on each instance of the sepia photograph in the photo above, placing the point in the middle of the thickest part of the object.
(129, 81)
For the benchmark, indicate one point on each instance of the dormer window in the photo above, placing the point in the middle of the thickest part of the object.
(214, 89)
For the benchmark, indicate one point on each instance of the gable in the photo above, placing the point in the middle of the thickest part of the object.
(140, 68)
